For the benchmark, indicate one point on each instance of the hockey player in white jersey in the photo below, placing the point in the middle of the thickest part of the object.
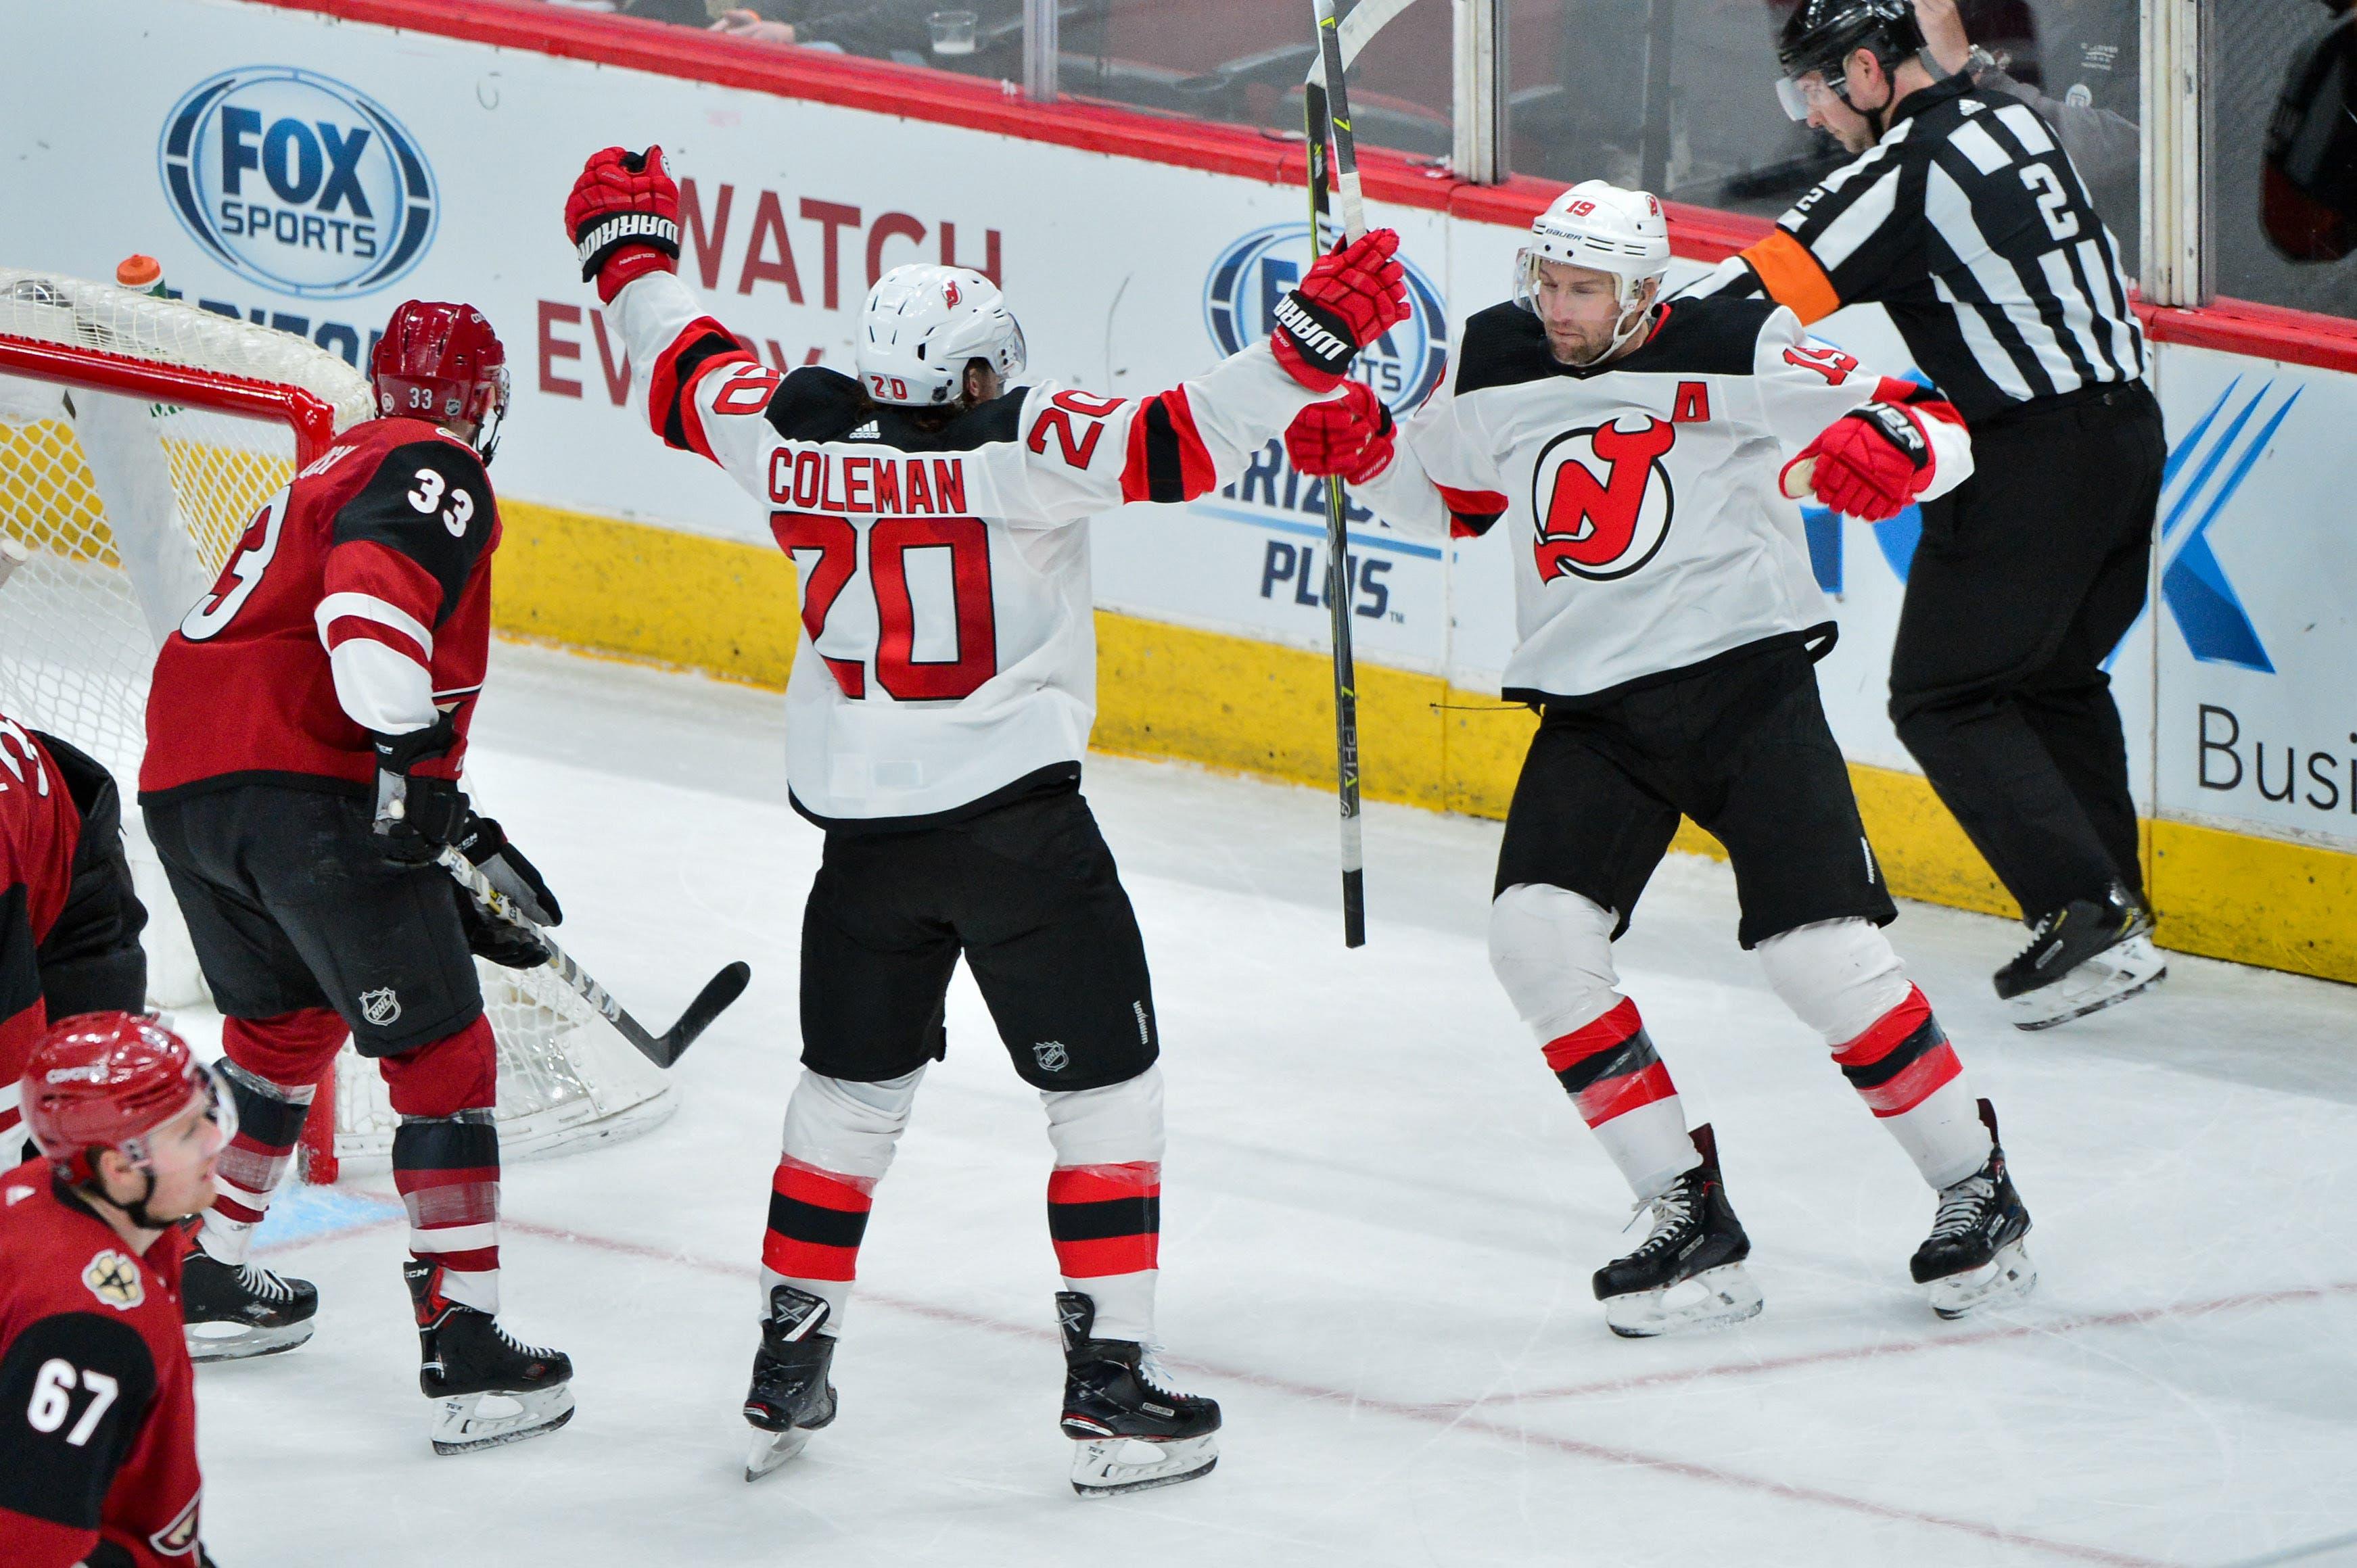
(938, 707)
(1631, 453)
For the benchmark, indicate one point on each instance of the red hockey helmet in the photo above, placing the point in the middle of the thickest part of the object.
(441, 362)
(106, 1080)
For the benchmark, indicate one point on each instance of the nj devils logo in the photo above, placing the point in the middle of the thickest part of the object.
(1602, 499)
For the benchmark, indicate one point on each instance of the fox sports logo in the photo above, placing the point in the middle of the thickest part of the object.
(1252, 276)
(297, 182)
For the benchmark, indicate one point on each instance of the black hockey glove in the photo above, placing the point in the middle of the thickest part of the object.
(495, 940)
(416, 817)
(504, 867)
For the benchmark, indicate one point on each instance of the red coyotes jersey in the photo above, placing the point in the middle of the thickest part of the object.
(40, 828)
(98, 1403)
(1640, 497)
(359, 600)
(949, 646)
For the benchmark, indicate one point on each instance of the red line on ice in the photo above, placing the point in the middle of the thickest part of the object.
(1459, 1415)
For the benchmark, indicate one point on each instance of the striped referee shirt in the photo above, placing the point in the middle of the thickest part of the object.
(1969, 225)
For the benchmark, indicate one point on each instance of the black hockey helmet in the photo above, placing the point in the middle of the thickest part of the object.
(1821, 35)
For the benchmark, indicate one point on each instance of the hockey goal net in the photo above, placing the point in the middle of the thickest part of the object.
(138, 437)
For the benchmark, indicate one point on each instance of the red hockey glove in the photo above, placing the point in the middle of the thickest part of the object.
(1347, 299)
(623, 218)
(1350, 435)
(1869, 465)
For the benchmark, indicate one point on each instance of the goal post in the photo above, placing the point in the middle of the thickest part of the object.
(139, 438)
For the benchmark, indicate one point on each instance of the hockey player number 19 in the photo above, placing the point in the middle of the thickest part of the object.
(898, 670)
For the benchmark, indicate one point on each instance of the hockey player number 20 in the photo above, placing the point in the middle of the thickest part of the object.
(898, 670)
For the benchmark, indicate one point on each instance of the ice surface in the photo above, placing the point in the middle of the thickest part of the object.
(1380, 1218)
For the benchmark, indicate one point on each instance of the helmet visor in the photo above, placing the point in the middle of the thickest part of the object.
(181, 1145)
(1802, 95)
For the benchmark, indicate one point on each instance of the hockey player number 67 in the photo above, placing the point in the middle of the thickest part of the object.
(53, 1398)
(904, 676)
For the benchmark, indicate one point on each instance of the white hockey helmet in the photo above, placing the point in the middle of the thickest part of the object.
(1601, 226)
(922, 323)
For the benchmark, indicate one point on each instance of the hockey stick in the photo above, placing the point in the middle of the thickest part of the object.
(1326, 105)
(661, 1050)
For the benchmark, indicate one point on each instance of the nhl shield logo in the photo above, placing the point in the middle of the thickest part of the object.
(114, 1280)
(380, 1007)
(1052, 1056)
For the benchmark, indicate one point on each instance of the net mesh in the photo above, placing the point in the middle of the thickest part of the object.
(125, 510)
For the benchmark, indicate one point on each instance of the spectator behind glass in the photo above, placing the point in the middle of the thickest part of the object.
(2309, 185)
(2078, 69)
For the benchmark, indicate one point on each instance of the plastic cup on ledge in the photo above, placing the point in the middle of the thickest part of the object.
(953, 32)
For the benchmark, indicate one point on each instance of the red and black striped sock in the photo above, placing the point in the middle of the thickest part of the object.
(1106, 1224)
(1907, 1074)
(817, 1220)
(1623, 1092)
(270, 1118)
(446, 1169)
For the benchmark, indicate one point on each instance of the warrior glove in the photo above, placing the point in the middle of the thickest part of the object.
(623, 218)
(1347, 300)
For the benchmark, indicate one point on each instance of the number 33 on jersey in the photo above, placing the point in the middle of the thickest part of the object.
(358, 600)
(950, 649)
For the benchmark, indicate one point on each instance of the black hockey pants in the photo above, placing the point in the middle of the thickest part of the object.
(2028, 577)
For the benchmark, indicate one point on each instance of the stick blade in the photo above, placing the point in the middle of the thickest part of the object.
(718, 993)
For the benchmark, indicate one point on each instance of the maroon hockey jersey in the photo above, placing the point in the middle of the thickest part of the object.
(39, 827)
(98, 1403)
(358, 600)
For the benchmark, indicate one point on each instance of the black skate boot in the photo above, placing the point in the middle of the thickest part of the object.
(791, 1397)
(1689, 1273)
(2082, 957)
(230, 1311)
(468, 1356)
(1974, 1255)
(1134, 1432)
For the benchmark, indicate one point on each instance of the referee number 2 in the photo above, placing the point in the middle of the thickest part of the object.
(2053, 202)
(904, 676)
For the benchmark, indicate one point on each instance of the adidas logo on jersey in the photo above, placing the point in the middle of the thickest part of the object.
(867, 432)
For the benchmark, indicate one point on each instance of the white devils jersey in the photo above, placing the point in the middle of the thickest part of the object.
(948, 654)
(1641, 497)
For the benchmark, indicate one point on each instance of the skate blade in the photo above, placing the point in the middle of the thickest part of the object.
(2007, 1276)
(1108, 1467)
(2133, 969)
(461, 1425)
(1714, 1298)
(243, 1341)
(772, 1449)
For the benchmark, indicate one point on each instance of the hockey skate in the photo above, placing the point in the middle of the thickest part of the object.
(2084, 957)
(1132, 1433)
(230, 1312)
(1688, 1273)
(1974, 1255)
(469, 1358)
(791, 1397)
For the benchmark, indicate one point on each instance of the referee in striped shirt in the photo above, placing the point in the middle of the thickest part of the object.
(1965, 220)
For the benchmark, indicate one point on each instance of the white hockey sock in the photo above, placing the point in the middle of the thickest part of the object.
(838, 1141)
(1104, 1198)
(1842, 979)
(1551, 949)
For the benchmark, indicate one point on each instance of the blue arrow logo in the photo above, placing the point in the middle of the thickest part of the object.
(2203, 474)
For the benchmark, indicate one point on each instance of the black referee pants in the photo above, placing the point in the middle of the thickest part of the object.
(2028, 577)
